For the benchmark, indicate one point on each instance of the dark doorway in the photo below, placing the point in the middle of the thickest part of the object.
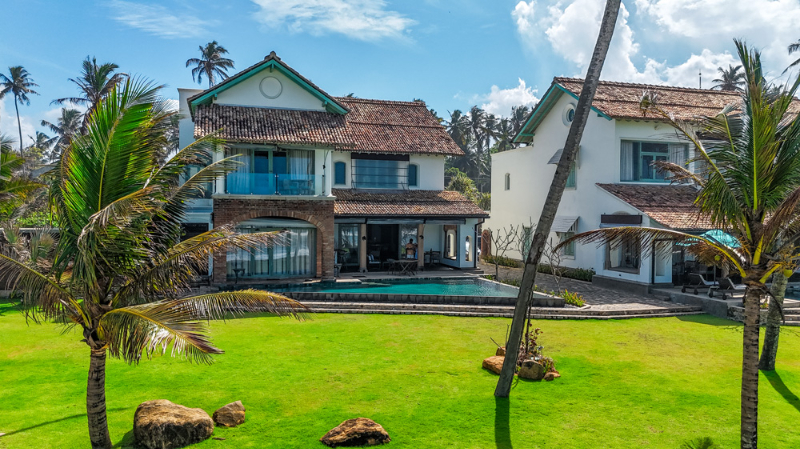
(383, 241)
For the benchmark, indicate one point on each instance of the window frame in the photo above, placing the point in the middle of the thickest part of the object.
(507, 181)
(415, 168)
(637, 154)
(336, 166)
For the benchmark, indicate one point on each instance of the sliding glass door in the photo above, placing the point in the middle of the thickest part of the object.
(295, 256)
(265, 171)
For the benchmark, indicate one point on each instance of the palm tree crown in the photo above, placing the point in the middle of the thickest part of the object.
(210, 63)
(731, 79)
(66, 127)
(95, 83)
(20, 84)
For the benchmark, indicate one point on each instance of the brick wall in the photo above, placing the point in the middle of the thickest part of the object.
(317, 212)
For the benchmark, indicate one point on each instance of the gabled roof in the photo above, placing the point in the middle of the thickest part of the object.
(615, 100)
(669, 204)
(411, 203)
(271, 62)
(370, 126)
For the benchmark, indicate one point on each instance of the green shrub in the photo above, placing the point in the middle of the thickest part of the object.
(502, 261)
(580, 274)
(573, 298)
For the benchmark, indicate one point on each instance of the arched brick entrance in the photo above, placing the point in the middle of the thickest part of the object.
(318, 212)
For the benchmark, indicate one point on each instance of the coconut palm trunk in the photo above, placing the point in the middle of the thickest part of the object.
(96, 401)
(19, 126)
(749, 418)
(769, 351)
(554, 196)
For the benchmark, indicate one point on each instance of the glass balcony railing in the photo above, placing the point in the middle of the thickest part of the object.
(273, 184)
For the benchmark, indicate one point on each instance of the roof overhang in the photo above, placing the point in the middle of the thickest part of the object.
(541, 110)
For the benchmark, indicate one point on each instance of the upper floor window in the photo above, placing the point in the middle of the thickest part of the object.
(637, 158)
(572, 180)
(372, 171)
(266, 171)
(508, 181)
(340, 173)
(413, 175)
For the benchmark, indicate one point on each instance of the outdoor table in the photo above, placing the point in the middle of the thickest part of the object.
(407, 266)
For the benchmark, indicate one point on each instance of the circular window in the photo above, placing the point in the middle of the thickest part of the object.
(569, 114)
(270, 87)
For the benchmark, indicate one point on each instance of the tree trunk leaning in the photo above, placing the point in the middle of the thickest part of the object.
(769, 351)
(96, 401)
(582, 112)
(19, 126)
(749, 417)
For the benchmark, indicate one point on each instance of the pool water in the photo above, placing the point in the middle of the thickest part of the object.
(444, 287)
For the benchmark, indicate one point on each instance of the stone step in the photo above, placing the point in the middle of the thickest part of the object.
(355, 306)
(501, 315)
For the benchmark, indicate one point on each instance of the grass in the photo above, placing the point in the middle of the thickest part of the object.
(631, 383)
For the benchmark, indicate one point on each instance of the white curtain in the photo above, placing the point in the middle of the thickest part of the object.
(626, 161)
(677, 153)
(239, 181)
(297, 257)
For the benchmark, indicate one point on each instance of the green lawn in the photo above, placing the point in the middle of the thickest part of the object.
(632, 383)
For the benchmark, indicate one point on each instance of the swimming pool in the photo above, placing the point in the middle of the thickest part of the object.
(449, 287)
(460, 290)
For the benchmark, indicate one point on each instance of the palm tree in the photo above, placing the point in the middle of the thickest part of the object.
(519, 115)
(211, 63)
(95, 83)
(504, 134)
(458, 128)
(793, 47)
(540, 237)
(36, 152)
(731, 79)
(67, 126)
(20, 84)
(14, 189)
(751, 152)
(119, 270)
(476, 119)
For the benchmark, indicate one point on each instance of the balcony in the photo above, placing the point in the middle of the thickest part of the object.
(273, 184)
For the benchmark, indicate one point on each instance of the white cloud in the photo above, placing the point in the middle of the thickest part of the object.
(8, 123)
(158, 20)
(52, 115)
(558, 24)
(767, 24)
(500, 101)
(358, 19)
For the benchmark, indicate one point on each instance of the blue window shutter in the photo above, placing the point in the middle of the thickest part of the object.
(340, 173)
(412, 175)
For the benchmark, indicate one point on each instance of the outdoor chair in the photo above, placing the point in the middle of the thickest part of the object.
(727, 286)
(698, 282)
(436, 257)
(373, 260)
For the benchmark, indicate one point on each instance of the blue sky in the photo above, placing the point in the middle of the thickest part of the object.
(452, 54)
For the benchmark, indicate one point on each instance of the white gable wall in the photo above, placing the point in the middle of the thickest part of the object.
(247, 93)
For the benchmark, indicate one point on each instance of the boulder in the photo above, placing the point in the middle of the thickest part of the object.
(494, 363)
(161, 424)
(531, 370)
(356, 432)
(552, 375)
(501, 351)
(230, 415)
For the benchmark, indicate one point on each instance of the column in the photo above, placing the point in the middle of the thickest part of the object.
(420, 246)
(362, 248)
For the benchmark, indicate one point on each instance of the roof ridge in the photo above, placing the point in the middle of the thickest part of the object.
(372, 100)
(656, 86)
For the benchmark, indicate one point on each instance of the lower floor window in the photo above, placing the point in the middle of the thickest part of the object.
(624, 256)
(568, 249)
(296, 256)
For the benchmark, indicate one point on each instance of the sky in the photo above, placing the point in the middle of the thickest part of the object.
(452, 54)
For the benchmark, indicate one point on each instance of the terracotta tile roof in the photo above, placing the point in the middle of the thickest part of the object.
(671, 205)
(370, 126)
(621, 100)
(410, 203)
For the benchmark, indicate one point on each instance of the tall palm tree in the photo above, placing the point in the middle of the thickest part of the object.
(540, 237)
(477, 120)
(731, 79)
(66, 127)
(751, 189)
(20, 84)
(210, 63)
(519, 115)
(95, 83)
(793, 47)
(14, 189)
(458, 128)
(505, 134)
(119, 270)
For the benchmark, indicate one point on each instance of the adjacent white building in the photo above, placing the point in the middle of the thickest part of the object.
(612, 182)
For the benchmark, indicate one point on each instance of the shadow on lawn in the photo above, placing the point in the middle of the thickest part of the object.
(66, 418)
(502, 429)
(777, 383)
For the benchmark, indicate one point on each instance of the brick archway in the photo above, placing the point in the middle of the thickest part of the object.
(316, 212)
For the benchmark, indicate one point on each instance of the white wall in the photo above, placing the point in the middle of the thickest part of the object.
(598, 162)
(185, 125)
(430, 176)
(247, 93)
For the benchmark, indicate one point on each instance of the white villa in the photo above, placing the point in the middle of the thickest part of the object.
(612, 182)
(351, 180)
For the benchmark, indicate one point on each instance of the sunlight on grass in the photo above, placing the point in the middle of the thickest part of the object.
(630, 383)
